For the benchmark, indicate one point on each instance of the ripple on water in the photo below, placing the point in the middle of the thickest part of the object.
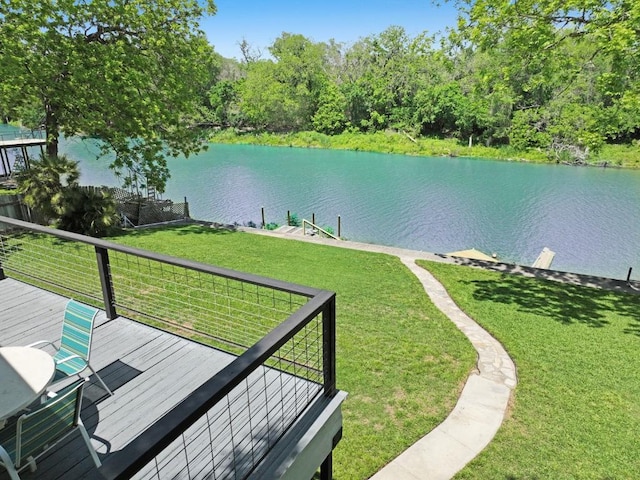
(590, 217)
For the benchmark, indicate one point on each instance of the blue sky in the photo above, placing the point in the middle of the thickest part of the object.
(261, 22)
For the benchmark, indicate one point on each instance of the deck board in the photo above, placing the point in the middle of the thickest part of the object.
(149, 370)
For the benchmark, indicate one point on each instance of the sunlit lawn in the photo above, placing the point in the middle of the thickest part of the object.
(576, 411)
(401, 361)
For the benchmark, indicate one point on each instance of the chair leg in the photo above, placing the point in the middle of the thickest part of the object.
(104, 385)
(5, 460)
(87, 440)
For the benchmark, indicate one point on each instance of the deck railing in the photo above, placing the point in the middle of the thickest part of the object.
(283, 335)
(23, 134)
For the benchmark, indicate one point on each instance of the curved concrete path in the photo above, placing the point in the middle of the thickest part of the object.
(480, 409)
(484, 400)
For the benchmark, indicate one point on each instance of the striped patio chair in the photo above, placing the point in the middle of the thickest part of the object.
(72, 356)
(32, 434)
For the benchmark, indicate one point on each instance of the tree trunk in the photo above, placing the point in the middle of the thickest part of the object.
(52, 130)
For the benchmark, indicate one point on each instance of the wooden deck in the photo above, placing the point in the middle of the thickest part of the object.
(149, 370)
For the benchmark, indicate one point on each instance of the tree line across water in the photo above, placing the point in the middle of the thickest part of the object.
(561, 78)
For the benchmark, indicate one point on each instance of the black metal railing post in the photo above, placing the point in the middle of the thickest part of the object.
(2, 248)
(102, 256)
(326, 469)
(329, 346)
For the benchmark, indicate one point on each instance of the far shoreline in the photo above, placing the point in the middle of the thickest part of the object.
(393, 142)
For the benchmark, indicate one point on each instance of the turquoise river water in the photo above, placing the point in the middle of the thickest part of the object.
(589, 216)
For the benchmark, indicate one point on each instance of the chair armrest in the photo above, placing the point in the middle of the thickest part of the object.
(70, 357)
(6, 459)
(42, 342)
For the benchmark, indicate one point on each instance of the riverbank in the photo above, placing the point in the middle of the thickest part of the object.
(620, 156)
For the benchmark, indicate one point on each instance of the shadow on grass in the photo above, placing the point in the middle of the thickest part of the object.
(612, 284)
(564, 303)
(208, 228)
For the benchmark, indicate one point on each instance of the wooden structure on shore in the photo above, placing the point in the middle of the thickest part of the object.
(544, 259)
(23, 144)
(474, 254)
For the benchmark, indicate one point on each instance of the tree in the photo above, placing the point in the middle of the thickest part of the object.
(223, 98)
(330, 117)
(565, 59)
(382, 75)
(611, 25)
(128, 72)
(283, 94)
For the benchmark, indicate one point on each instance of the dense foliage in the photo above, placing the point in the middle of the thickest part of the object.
(561, 78)
(50, 187)
(129, 72)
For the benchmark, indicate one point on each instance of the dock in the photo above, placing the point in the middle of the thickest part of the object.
(290, 230)
(544, 259)
(474, 254)
(19, 143)
(23, 143)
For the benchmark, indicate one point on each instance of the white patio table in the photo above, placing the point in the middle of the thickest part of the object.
(25, 373)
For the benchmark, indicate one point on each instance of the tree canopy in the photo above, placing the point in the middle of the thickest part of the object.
(128, 72)
(572, 66)
(561, 77)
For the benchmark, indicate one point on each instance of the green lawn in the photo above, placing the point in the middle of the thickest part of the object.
(401, 361)
(576, 410)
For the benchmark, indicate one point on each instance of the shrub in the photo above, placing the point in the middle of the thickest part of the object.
(86, 211)
(294, 220)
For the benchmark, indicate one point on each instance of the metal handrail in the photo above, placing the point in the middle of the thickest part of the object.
(316, 227)
(150, 443)
(143, 449)
(169, 260)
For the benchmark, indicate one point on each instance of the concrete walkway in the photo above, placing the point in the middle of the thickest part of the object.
(485, 397)
(480, 409)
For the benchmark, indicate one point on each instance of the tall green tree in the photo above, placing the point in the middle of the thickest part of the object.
(283, 93)
(129, 72)
(383, 72)
(574, 63)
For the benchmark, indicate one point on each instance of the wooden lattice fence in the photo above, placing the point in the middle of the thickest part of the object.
(138, 210)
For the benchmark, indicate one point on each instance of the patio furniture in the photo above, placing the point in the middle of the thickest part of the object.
(36, 432)
(25, 374)
(72, 356)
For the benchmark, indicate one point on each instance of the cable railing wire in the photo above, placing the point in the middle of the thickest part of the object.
(229, 310)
